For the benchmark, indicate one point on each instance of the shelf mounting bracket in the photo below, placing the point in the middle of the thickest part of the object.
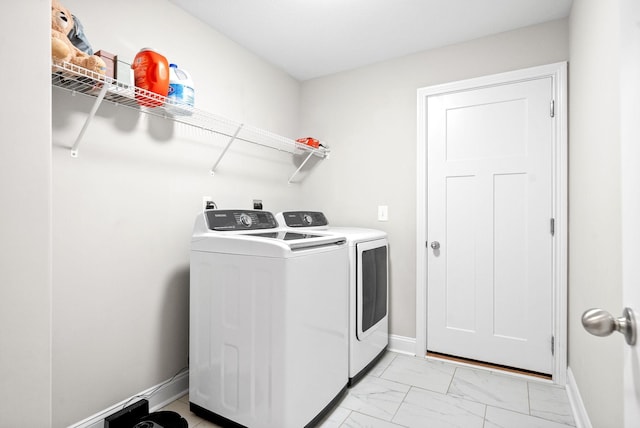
(300, 167)
(92, 113)
(233, 138)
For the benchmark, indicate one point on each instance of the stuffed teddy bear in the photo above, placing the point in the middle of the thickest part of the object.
(62, 49)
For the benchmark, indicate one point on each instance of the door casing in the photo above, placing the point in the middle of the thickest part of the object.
(558, 74)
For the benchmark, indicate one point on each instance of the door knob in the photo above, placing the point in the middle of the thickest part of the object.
(601, 323)
(435, 245)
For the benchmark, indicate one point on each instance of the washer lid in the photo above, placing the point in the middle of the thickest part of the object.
(275, 243)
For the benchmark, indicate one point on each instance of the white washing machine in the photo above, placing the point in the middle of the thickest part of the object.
(268, 321)
(368, 286)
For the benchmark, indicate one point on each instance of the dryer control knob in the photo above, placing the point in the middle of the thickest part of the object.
(307, 219)
(245, 220)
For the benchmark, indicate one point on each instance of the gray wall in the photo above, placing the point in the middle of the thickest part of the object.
(368, 116)
(124, 209)
(595, 204)
(25, 226)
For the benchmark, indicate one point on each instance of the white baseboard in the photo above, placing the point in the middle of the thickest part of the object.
(402, 344)
(575, 400)
(158, 396)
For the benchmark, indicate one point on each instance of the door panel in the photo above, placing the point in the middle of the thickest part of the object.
(460, 272)
(510, 256)
(464, 128)
(489, 185)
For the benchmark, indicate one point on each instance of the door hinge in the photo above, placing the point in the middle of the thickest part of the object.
(553, 226)
(553, 345)
(552, 110)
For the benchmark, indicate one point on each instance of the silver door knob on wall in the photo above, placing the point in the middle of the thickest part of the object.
(435, 245)
(601, 323)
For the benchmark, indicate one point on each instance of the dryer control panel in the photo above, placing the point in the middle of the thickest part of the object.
(304, 218)
(239, 220)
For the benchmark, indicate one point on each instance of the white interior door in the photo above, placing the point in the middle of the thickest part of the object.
(490, 208)
(630, 166)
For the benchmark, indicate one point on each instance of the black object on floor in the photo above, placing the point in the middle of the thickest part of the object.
(162, 419)
(127, 417)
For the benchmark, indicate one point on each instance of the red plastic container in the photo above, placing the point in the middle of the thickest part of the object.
(151, 73)
(309, 142)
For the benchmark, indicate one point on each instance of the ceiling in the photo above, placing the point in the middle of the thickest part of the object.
(313, 38)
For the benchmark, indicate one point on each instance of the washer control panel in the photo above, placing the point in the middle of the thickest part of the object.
(240, 220)
(304, 218)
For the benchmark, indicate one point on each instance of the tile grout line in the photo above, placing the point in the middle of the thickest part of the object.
(484, 418)
(455, 371)
(379, 419)
(346, 419)
(387, 366)
(401, 402)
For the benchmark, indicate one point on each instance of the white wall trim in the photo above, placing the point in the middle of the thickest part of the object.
(558, 72)
(165, 393)
(402, 344)
(575, 400)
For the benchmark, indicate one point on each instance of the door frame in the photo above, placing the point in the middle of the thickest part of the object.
(558, 74)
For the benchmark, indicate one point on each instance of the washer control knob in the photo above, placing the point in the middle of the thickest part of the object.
(307, 219)
(245, 219)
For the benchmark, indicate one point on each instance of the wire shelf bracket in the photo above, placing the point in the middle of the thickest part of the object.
(299, 168)
(92, 113)
(231, 140)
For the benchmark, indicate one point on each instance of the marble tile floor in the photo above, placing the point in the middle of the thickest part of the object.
(403, 391)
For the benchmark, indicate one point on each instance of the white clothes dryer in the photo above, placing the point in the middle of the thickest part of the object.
(368, 286)
(268, 321)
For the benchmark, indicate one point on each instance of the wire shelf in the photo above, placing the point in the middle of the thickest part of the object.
(82, 81)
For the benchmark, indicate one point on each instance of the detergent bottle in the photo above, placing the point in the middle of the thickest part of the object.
(151, 73)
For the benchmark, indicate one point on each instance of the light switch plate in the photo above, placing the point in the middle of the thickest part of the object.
(383, 213)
